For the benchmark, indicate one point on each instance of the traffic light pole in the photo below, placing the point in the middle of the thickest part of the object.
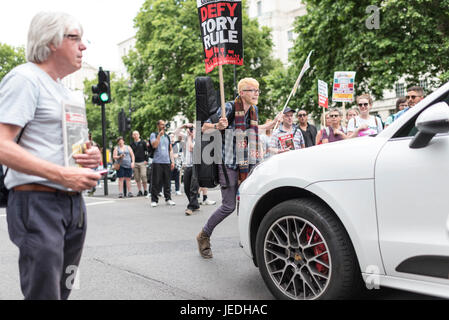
(105, 160)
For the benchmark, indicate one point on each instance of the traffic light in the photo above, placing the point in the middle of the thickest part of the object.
(121, 121)
(102, 91)
(128, 124)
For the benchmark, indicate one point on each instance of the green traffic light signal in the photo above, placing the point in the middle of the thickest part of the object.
(104, 97)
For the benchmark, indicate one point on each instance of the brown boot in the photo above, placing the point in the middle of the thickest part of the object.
(204, 245)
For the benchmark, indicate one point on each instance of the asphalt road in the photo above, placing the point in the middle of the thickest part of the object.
(133, 251)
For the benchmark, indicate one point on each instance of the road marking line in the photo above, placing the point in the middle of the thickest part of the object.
(98, 203)
(2, 215)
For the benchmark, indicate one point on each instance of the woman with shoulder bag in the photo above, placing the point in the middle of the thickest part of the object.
(124, 155)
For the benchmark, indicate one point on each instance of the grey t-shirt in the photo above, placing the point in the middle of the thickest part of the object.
(29, 96)
(162, 152)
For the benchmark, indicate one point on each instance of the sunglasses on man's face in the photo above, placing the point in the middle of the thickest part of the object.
(300, 115)
(363, 104)
(334, 115)
(411, 97)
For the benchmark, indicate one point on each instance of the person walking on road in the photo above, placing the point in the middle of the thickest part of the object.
(190, 180)
(124, 155)
(140, 150)
(243, 114)
(46, 212)
(163, 163)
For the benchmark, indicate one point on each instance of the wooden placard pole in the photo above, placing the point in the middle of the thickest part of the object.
(222, 94)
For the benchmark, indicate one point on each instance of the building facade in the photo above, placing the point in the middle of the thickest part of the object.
(75, 81)
(279, 16)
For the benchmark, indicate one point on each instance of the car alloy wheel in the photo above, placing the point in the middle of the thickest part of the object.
(297, 258)
(304, 253)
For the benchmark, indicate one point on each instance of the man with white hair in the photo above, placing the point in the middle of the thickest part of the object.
(46, 212)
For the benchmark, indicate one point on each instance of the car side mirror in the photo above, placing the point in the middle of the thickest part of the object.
(430, 122)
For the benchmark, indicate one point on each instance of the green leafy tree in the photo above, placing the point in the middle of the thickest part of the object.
(169, 56)
(10, 57)
(412, 40)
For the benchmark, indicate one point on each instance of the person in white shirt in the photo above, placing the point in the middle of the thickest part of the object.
(46, 212)
(364, 124)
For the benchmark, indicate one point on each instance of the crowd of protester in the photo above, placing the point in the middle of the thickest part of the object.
(171, 162)
(172, 152)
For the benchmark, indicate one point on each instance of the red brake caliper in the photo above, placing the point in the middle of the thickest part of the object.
(318, 249)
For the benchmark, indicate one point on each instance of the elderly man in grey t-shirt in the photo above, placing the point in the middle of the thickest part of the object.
(46, 213)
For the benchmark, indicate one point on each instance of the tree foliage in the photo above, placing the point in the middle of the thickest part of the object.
(169, 56)
(10, 57)
(412, 41)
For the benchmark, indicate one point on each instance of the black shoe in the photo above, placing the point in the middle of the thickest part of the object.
(139, 194)
(145, 193)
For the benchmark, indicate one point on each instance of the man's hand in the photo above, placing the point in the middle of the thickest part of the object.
(172, 166)
(222, 123)
(91, 158)
(79, 179)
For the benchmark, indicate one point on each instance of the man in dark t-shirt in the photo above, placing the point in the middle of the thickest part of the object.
(308, 130)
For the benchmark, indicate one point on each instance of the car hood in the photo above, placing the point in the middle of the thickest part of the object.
(344, 160)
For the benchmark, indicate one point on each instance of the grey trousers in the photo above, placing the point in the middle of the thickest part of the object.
(228, 196)
(49, 229)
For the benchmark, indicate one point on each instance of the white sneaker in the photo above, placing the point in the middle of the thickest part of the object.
(170, 203)
(178, 193)
(148, 196)
(153, 204)
(209, 202)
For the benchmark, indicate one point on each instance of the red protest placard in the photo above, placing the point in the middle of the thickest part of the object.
(221, 32)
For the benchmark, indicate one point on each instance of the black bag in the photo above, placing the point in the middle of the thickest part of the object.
(3, 190)
(150, 150)
(206, 108)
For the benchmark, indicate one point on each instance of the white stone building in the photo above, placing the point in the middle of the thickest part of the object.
(75, 81)
(279, 16)
(124, 47)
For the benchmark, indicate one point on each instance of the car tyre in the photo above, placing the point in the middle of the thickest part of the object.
(304, 253)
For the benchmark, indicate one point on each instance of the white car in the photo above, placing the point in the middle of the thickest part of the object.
(319, 221)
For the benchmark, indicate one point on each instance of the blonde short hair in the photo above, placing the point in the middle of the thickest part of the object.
(247, 82)
(48, 28)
